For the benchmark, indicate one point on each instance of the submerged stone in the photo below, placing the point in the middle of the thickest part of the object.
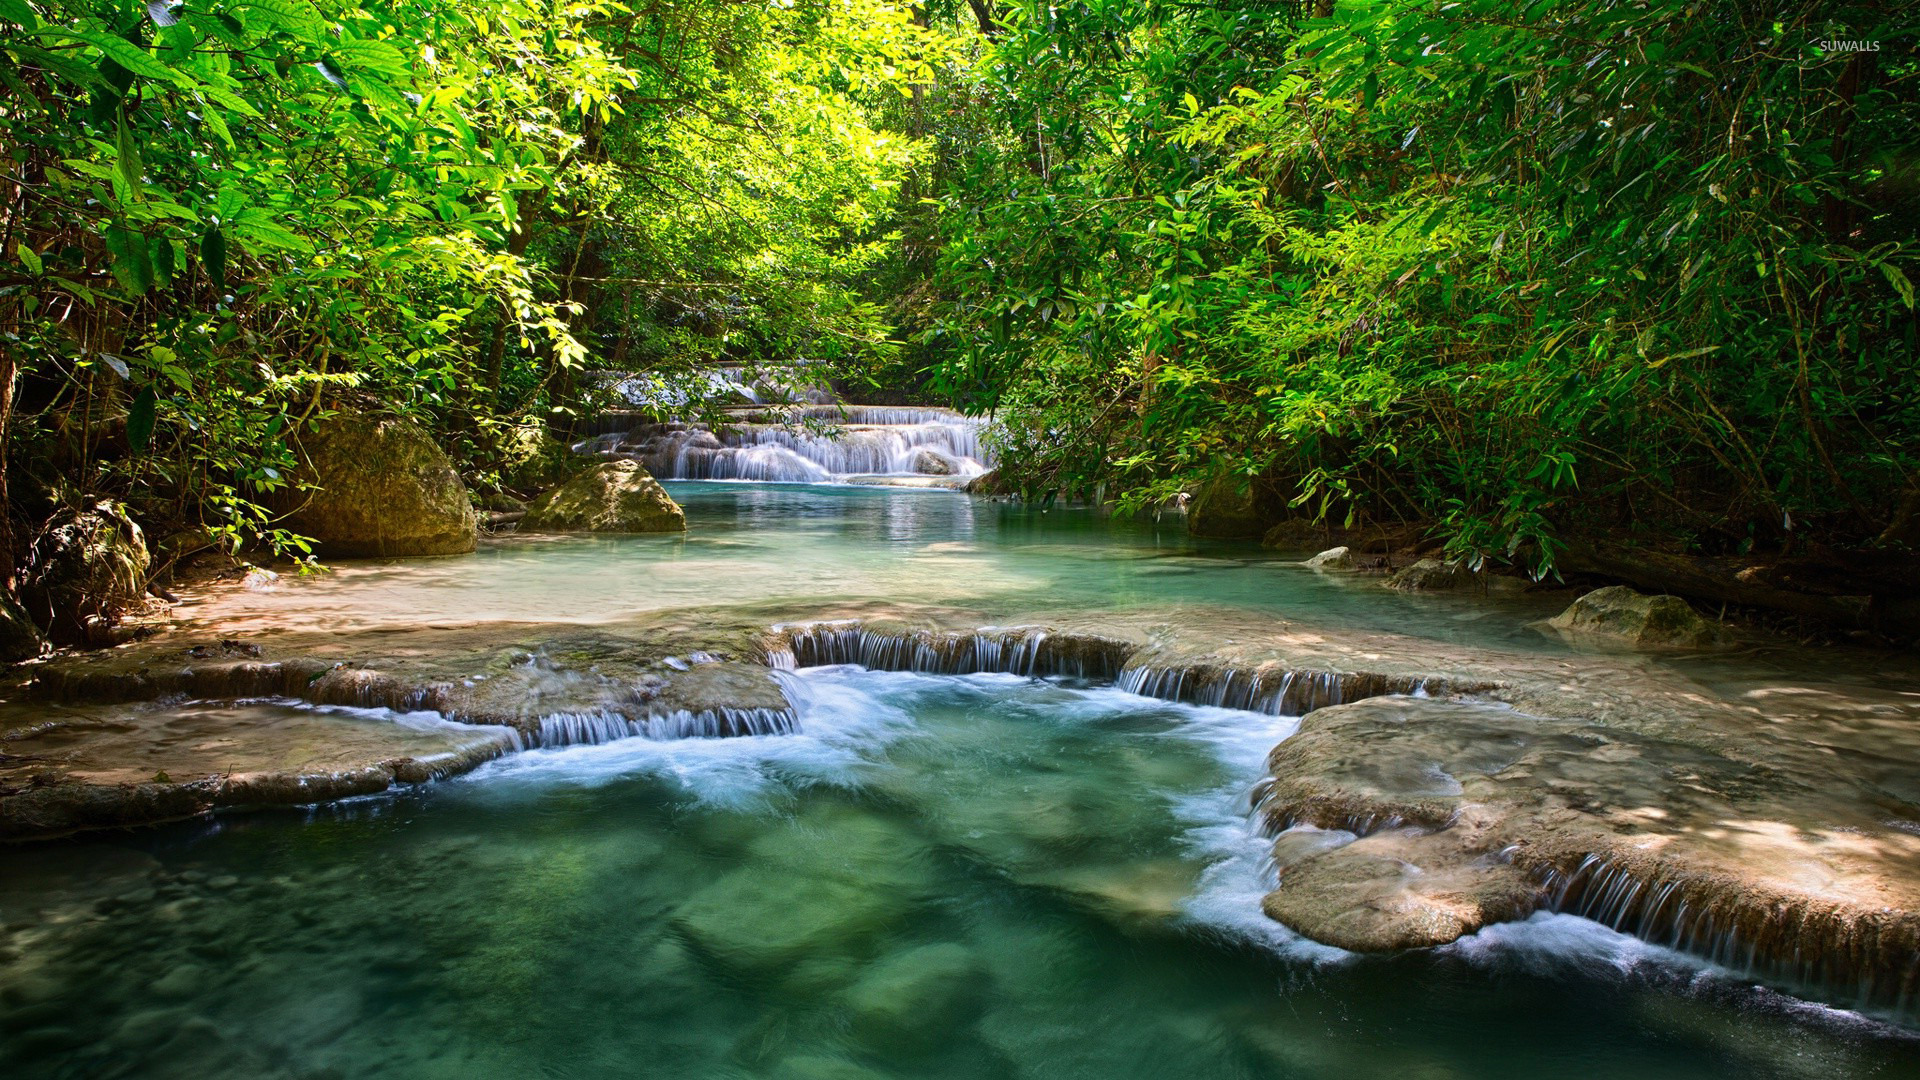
(915, 999)
(614, 496)
(380, 488)
(764, 920)
(1619, 612)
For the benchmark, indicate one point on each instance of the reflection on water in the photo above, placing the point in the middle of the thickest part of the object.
(804, 544)
(980, 877)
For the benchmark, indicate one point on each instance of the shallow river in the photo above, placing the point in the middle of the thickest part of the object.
(976, 877)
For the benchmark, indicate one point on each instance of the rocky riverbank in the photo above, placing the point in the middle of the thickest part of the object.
(1764, 819)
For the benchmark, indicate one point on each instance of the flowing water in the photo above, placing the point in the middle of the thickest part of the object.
(978, 877)
(975, 876)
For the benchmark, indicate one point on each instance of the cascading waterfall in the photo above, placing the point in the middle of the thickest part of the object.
(1034, 651)
(1797, 945)
(866, 442)
(593, 728)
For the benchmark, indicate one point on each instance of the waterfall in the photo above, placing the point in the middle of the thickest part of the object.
(593, 728)
(772, 446)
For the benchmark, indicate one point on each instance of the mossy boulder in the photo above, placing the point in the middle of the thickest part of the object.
(85, 571)
(1620, 612)
(613, 496)
(380, 488)
(1231, 508)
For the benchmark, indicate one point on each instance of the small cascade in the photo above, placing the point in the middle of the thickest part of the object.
(866, 442)
(1279, 692)
(1033, 651)
(593, 728)
(1029, 651)
(1798, 945)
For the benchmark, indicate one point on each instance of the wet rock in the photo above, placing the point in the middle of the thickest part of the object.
(1398, 889)
(988, 483)
(614, 496)
(1620, 612)
(916, 999)
(1472, 813)
(380, 488)
(1430, 575)
(1231, 507)
(934, 463)
(1338, 558)
(85, 572)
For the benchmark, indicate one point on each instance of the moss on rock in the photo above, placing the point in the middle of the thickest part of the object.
(379, 488)
(613, 496)
(1620, 612)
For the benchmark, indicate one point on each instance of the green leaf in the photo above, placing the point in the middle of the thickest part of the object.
(123, 52)
(140, 420)
(29, 258)
(213, 255)
(1900, 283)
(127, 155)
(130, 262)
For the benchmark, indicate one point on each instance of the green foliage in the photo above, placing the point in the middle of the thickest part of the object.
(225, 217)
(1511, 271)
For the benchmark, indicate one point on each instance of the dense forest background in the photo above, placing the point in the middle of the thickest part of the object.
(1519, 275)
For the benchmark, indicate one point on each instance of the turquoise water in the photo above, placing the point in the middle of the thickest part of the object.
(796, 545)
(981, 877)
(978, 877)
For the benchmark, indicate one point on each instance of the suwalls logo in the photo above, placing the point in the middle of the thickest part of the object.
(1847, 45)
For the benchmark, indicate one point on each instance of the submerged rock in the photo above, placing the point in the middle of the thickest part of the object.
(761, 921)
(915, 1000)
(85, 571)
(380, 488)
(1431, 575)
(1338, 558)
(613, 496)
(1619, 612)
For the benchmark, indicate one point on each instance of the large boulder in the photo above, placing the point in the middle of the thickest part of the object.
(86, 570)
(379, 488)
(1231, 508)
(613, 496)
(1619, 612)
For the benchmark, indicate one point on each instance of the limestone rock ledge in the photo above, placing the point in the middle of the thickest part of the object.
(1405, 822)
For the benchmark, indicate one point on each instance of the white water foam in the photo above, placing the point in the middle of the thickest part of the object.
(843, 725)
